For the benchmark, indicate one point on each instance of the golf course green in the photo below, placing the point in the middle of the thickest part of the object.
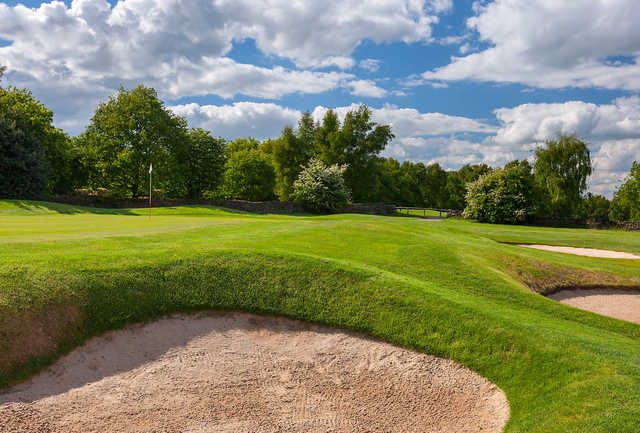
(452, 288)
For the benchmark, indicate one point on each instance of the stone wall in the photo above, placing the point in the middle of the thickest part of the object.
(261, 207)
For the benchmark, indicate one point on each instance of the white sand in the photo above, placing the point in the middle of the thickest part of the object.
(232, 372)
(621, 304)
(589, 252)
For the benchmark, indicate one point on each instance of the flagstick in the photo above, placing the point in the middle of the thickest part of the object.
(150, 170)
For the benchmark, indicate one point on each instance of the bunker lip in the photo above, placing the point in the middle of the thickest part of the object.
(587, 252)
(241, 372)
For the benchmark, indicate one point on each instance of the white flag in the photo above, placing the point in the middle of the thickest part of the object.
(150, 168)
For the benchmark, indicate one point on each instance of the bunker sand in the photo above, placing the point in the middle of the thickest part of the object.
(233, 372)
(621, 304)
(589, 252)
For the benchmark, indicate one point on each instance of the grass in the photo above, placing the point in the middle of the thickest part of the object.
(448, 288)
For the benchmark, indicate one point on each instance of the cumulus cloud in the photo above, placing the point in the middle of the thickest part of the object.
(612, 132)
(371, 65)
(240, 119)
(181, 48)
(366, 88)
(409, 122)
(553, 44)
(539, 122)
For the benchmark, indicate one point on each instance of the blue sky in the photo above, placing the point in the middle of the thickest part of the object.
(460, 81)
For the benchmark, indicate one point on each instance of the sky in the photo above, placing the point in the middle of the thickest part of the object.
(459, 81)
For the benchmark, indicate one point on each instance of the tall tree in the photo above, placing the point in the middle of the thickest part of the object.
(23, 172)
(58, 152)
(127, 133)
(561, 170)
(356, 143)
(626, 201)
(291, 152)
(202, 161)
(457, 183)
(249, 173)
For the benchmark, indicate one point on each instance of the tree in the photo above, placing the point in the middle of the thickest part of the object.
(594, 207)
(23, 172)
(202, 161)
(457, 181)
(248, 174)
(290, 152)
(356, 144)
(58, 152)
(321, 187)
(127, 133)
(502, 195)
(626, 201)
(561, 171)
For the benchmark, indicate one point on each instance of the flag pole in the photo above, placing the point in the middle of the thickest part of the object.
(150, 190)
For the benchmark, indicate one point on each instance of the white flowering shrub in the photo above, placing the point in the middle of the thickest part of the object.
(321, 187)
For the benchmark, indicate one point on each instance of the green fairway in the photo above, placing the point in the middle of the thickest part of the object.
(451, 288)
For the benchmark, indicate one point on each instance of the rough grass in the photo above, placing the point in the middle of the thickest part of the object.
(449, 289)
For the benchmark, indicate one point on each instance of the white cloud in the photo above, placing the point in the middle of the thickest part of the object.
(371, 65)
(366, 88)
(181, 48)
(539, 122)
(409, 122)
(552, 44)
(612, 132)
(240, 119)
(340, 62)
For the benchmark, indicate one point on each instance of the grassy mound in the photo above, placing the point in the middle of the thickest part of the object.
(449, 289)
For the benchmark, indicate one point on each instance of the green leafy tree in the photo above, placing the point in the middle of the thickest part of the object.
(58, 152)
(561, 171)
(321, 187)
(356, 144)
(290, 152)
(456, 187)
(202, 162)
(127, 133)
(248, 172)
(502, 195)
(23, 172)
(594, 207)
(626, 201)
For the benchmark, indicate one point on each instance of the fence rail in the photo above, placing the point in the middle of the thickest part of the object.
(408, 211)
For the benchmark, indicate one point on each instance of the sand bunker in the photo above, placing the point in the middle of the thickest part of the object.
(231, 372)
(589, 252)
(621, 304)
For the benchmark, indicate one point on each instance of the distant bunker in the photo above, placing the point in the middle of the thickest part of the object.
(236, 372)
(620, 303)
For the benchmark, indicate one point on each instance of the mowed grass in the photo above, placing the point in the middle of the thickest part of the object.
(448, 288)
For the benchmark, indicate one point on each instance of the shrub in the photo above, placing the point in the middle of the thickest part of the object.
(626, 201)
(321, 188)
(502, 196)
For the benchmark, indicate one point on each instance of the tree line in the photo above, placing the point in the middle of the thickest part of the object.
(134, 129)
